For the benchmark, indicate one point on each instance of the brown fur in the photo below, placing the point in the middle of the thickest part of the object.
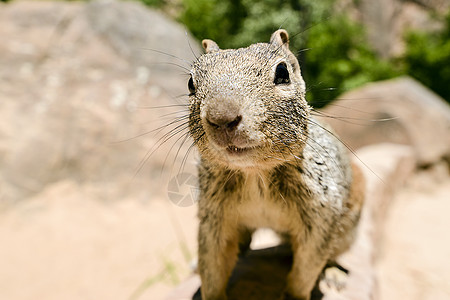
(265, 162)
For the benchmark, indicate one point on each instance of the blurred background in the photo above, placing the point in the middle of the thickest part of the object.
(97, 172)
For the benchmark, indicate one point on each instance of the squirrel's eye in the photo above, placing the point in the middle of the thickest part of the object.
(281, 74)
(191, 86)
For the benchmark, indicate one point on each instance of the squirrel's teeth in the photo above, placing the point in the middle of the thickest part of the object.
(235, 149)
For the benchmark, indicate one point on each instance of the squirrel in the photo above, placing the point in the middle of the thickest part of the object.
(265, 162)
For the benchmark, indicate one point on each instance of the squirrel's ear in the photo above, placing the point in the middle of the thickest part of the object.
(210, 46)
(280, 37)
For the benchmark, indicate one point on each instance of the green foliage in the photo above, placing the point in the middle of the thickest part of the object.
(154, 3)
(340, 59)
(427, 59)
(207, 19)
(239, 23)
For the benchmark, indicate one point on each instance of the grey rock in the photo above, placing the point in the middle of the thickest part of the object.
(74, 80)
(398, 111)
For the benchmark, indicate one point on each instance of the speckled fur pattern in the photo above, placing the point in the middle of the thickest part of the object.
(265, 162)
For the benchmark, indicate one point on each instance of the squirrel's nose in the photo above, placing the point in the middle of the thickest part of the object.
(227, 123)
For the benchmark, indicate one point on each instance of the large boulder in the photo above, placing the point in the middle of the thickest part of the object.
(74, 79)
(398, 111)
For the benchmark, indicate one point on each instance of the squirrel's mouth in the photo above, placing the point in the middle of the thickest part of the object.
(233, 150)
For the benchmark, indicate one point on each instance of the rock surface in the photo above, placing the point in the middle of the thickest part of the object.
(75, 79)
(82, 218)
(415, 246)
(64, 243)
(397, 111)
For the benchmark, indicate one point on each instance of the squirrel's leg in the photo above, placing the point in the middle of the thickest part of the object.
(245, 239)
(218, 251)
(306, 269)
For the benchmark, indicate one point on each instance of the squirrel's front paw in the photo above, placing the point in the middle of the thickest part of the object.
(334, 281)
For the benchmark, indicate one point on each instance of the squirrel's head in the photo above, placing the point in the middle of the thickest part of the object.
(247, 105)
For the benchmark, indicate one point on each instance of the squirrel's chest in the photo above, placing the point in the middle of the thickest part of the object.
(258, 208)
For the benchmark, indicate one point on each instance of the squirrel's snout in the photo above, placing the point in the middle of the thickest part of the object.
(223, 127)
(222, 116)
(224, 123)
